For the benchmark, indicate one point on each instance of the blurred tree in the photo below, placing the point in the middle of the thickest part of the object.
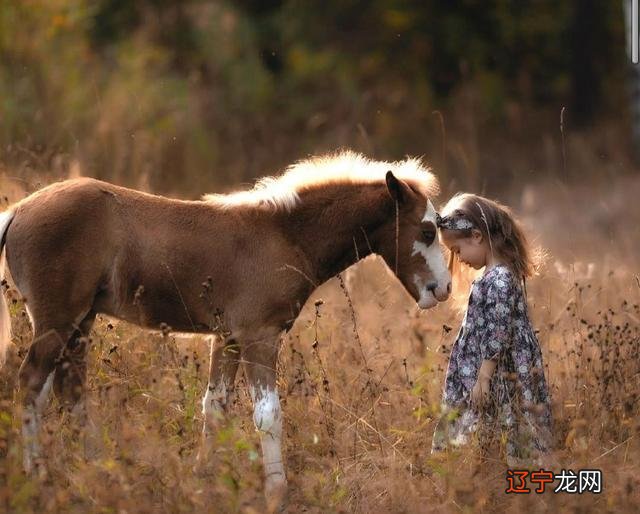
(193, 94)
(589, 44)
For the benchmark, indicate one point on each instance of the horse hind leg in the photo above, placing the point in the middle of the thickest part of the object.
(71, 368)
(36, 378)
(52, 333)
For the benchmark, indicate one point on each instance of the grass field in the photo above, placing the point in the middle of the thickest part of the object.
(360, 381)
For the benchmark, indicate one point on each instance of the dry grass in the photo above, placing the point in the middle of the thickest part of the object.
(360, 379)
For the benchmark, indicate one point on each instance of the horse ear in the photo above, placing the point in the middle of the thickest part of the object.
(395, 187)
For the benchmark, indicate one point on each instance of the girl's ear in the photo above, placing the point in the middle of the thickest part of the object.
(477, 236)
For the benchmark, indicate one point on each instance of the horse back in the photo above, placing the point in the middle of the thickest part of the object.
(150, 259)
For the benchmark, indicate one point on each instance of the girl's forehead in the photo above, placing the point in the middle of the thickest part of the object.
(450, 236)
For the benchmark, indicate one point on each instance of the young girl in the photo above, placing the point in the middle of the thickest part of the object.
(495, 379)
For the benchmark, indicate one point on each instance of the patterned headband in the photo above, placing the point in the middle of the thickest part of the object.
(454, 222)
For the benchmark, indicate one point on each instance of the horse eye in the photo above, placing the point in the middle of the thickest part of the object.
(429, 236)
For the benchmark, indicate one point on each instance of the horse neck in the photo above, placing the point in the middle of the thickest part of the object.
(337, 225)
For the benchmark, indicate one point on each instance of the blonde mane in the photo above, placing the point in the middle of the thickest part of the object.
(346, 167)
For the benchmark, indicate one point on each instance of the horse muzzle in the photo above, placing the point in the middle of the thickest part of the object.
(430, 297)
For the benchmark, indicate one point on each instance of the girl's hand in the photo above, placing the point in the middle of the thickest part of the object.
(480, 392)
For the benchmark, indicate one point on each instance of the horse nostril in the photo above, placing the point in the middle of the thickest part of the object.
(449, 288)
(431, 286)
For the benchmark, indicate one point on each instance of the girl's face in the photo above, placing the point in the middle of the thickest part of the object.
(471, 250)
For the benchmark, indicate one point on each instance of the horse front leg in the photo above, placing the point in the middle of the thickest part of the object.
(223, 365)
(260, 361)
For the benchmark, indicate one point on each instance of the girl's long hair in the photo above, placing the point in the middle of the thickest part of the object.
(499, 226)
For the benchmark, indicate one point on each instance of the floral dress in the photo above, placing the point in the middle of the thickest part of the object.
(496, 326)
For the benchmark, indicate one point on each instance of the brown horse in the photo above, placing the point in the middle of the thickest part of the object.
(239, 266)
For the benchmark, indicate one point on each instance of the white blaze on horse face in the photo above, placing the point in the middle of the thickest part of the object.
(434, 259)
(267, 417)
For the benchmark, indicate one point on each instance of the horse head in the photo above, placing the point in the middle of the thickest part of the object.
(409, 244)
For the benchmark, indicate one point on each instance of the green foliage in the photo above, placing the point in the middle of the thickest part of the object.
(190, 95)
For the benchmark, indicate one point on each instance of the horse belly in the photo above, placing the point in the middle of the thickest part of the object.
(144, 293)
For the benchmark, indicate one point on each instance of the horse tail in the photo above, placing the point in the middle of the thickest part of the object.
(5, 319)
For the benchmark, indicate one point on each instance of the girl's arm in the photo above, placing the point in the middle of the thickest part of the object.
(480, 390)
(498, 309)
(486, 370)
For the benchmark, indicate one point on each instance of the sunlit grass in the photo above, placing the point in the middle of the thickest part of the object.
(360, 391)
